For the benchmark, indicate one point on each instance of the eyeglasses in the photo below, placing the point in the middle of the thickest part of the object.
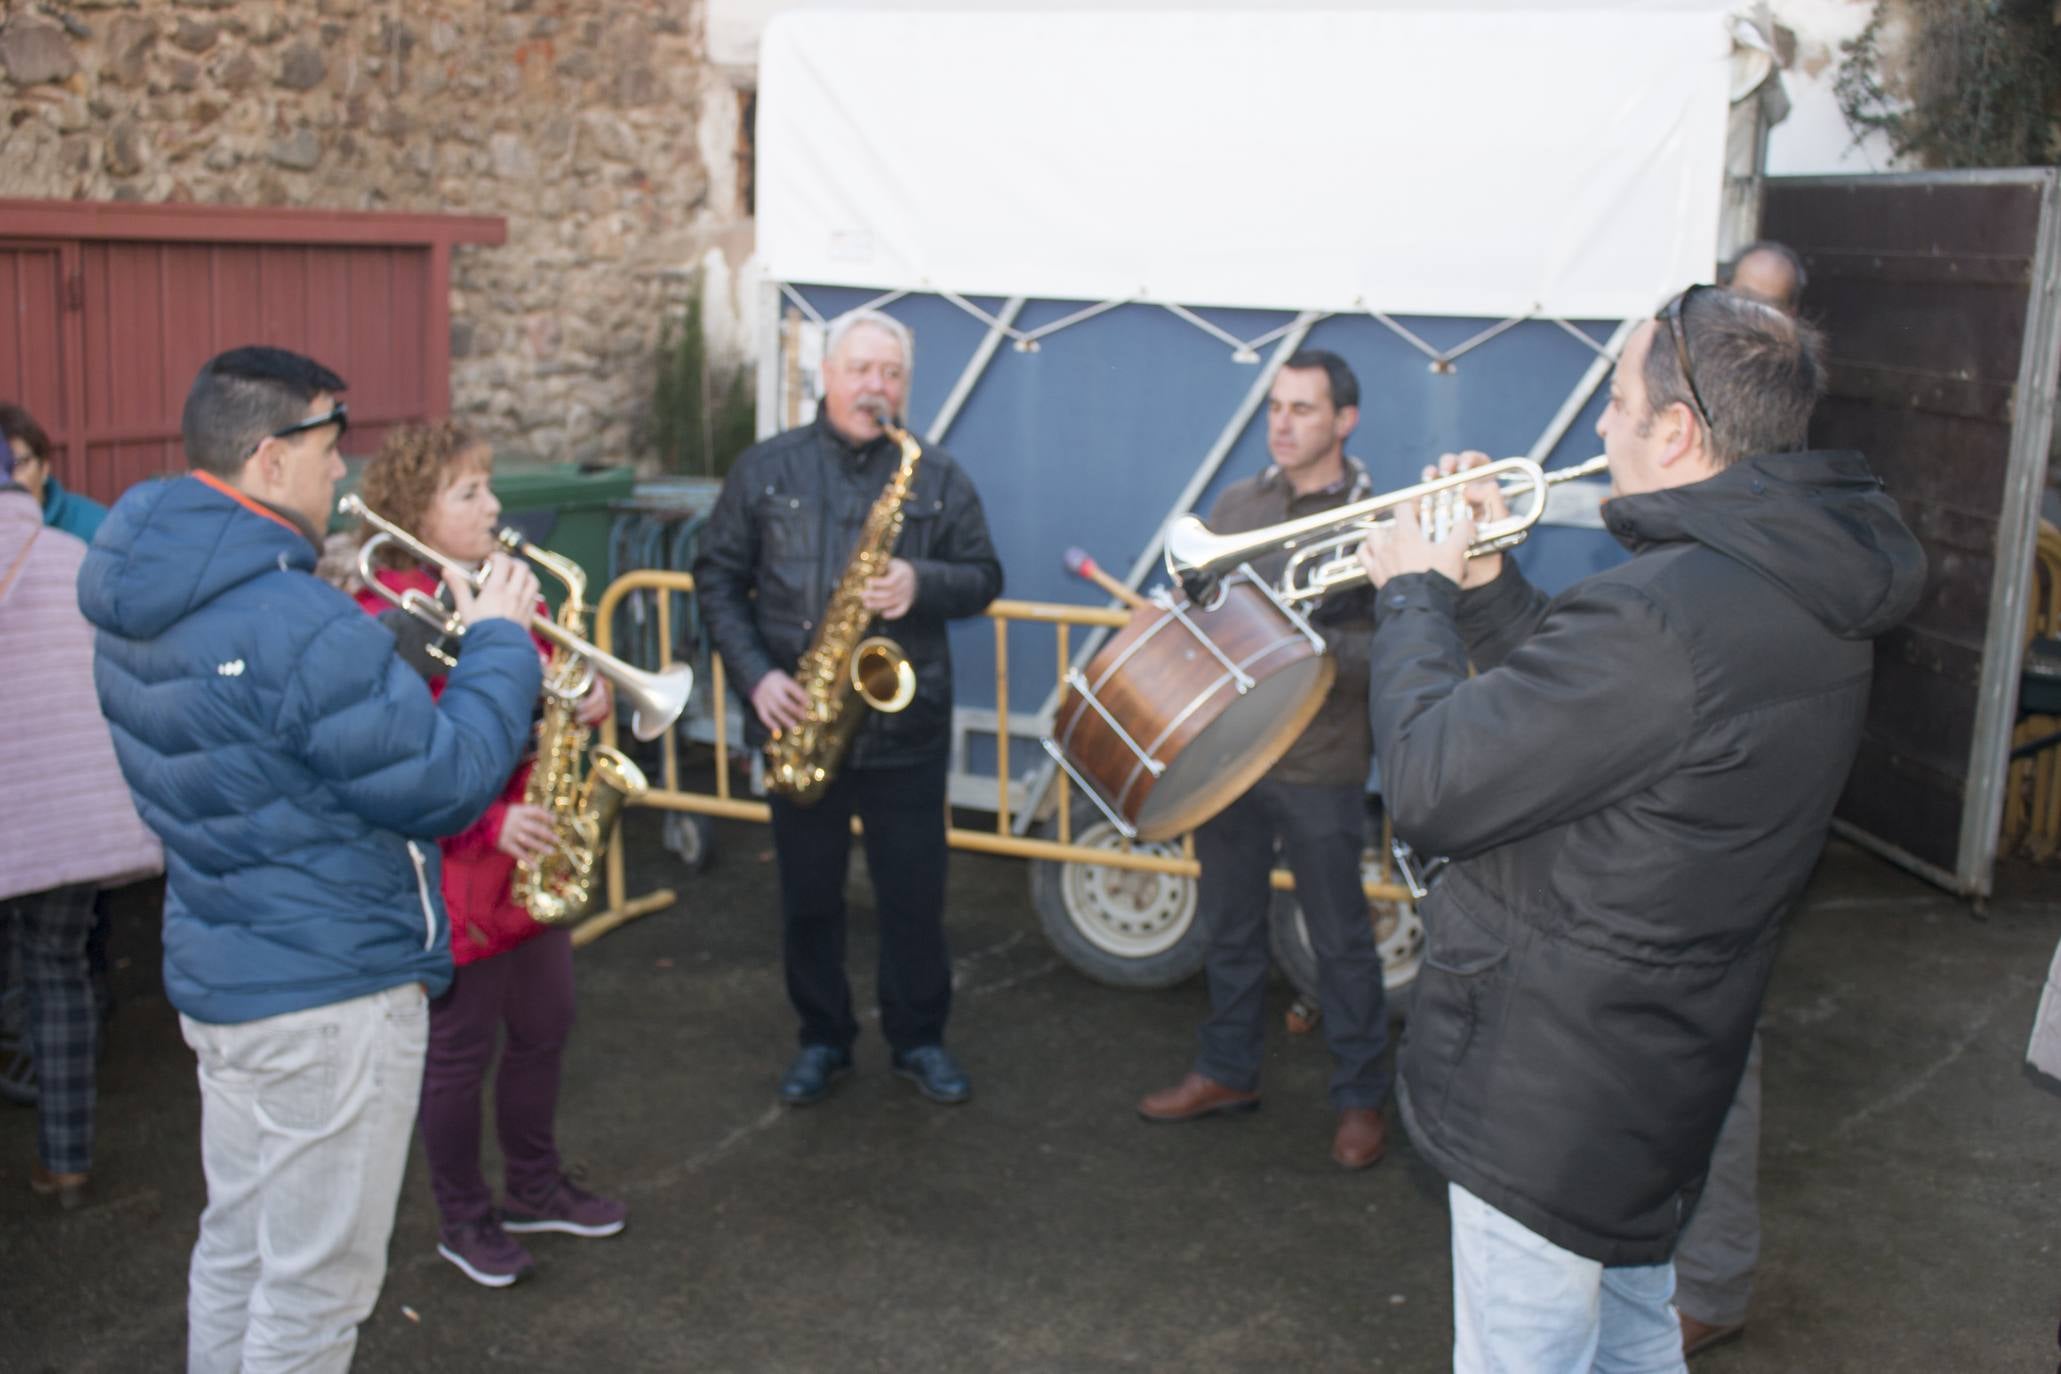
(1680, 332)
(339, 415)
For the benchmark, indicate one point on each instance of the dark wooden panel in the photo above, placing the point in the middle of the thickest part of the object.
(1924, 290)
(1880, 268)
(1919, 703)
(1974, 220)
(1916, 811)
(1911, 389)
(1967, 333)
(1924, 459)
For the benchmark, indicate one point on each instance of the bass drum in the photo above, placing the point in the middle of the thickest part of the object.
(1187, 705)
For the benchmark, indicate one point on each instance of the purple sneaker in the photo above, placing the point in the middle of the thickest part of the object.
(568, 1208)
(484, 1252)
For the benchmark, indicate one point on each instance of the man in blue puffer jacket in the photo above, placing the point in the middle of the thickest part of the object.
(298, 773)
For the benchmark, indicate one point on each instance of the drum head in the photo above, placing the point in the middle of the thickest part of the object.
(1243, 742)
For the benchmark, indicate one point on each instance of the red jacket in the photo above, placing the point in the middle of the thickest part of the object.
(485, 919)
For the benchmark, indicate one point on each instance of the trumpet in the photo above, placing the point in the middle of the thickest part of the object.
(655, 699)
(1321, 546)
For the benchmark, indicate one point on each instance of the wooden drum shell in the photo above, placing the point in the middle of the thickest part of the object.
(1158, 682)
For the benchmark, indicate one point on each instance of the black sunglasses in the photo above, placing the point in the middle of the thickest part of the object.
(1680, 332)
(339, 415)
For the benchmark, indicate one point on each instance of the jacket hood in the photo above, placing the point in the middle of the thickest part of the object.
(173, 545)
(1817, 524)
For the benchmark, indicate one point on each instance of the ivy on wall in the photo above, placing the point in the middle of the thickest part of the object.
(702, 412)
(1974, 83)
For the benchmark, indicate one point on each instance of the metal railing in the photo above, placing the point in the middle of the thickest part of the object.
(667, 794)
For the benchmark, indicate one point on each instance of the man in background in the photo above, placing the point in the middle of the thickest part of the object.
(1312, 803)
(1770, 272)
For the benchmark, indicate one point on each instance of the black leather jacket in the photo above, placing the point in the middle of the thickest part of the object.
(778, 541)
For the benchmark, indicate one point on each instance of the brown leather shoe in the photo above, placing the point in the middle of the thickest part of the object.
(1362, 1138)
(1698, 1337)
(68, 1189)
(1195, 1096)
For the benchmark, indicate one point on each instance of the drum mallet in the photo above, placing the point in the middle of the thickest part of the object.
(1080, 565)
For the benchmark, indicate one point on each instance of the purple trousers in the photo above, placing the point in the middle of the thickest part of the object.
(529, 989)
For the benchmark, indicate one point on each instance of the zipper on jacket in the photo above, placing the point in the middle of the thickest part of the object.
(429, 912)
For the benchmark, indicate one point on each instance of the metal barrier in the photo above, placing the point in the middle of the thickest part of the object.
(666, 793)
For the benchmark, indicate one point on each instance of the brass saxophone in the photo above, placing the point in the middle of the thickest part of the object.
(565, 884)
(843, 668)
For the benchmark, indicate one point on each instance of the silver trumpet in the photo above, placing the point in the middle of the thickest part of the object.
(1322, 546)
(655, 699)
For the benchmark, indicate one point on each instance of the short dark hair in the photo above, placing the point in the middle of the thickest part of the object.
(1798, 278)
(241, 397)
(1345, 388)
(1759, 371)
(17, 423)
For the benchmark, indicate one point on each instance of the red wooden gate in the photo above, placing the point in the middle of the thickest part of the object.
(107, 311)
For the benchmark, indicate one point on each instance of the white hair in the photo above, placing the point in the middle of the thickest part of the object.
(887, 324)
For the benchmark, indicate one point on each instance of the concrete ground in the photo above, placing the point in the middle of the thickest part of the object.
(1909, 1194)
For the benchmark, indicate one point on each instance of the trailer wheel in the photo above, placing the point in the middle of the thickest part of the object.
(1398, 934)
(1122, 927)
(691, 837)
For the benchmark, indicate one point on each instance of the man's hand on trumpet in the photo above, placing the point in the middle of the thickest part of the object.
(1407, 543)
(508, 591)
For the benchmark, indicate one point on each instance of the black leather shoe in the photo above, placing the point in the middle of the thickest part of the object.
(935, 1073)
(808, 1078)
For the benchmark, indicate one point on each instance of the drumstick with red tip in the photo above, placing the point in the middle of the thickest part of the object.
(1080, 565)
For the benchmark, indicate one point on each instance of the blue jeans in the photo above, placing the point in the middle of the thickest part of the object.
(1523, 1305)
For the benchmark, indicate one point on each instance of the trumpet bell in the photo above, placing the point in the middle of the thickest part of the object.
(655, 700)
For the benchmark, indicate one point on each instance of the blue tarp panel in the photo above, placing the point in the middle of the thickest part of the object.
(1090, 439)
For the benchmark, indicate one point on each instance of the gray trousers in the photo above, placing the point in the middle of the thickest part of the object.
(1715, 1257)
(1322, 830)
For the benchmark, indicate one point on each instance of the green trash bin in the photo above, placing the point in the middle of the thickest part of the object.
(567, 509)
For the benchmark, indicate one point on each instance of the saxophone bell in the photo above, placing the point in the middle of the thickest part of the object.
(883, 675)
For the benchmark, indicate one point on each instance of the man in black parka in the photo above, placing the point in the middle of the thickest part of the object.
(1633, 787)
(774, 550)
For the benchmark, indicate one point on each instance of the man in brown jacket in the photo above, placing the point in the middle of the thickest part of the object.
(1313, 803)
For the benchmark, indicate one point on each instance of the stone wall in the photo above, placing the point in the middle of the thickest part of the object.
(595, 127)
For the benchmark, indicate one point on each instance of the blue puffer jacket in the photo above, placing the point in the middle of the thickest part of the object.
(296, 770)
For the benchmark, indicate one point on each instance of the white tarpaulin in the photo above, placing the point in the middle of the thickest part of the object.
(1435, 160)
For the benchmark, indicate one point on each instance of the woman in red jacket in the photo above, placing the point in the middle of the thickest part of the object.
(434, 481)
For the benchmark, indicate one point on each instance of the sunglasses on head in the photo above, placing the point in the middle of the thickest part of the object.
(339, 415)
(1679, 331)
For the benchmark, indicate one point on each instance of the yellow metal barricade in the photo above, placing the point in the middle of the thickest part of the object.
(2032, 787)
(667, 794)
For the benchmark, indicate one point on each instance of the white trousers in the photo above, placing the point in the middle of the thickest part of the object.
(1523, 1305)
(305, 1120)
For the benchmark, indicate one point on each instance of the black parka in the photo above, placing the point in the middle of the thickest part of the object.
(778, 540)
(1634, 789)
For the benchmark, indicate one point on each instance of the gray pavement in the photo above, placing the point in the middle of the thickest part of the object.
(1909, 1177)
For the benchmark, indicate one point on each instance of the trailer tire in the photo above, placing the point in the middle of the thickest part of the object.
(1121, 927)
(1402, 949)
(692, 838)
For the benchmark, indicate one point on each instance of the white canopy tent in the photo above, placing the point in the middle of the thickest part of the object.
(1455, 160)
